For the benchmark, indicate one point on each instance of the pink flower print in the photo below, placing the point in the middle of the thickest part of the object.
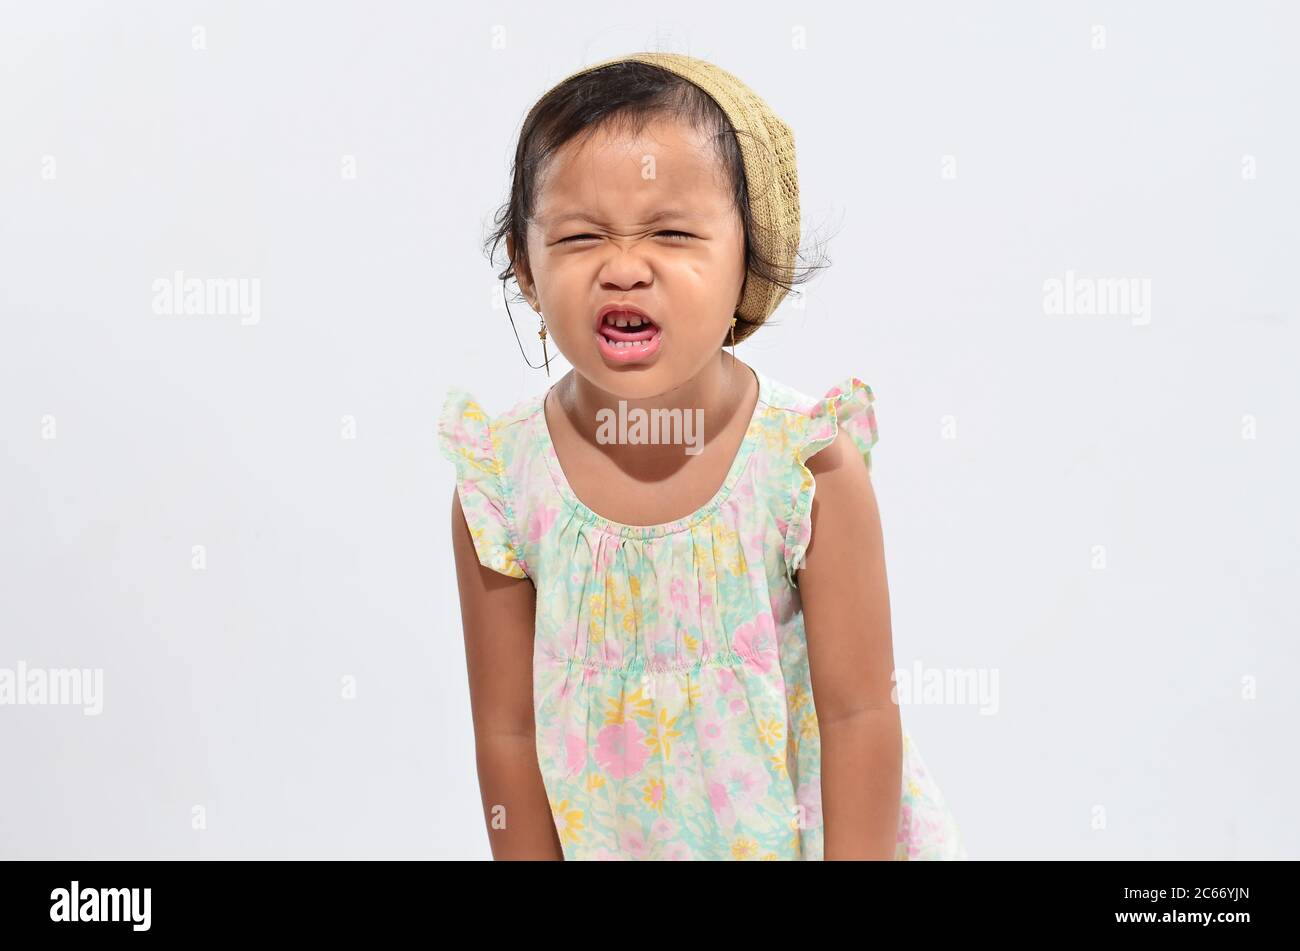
(540, 523)
(904, 821)
(663, 829)
(575, 748)
(685, 779)
(677, 594)
(682, 782)
(726, 679)
(808, 799)
(551, 746)
(605, 557)
(684, 757)
(712, 732)
(739, 785)
(633, 841)
(720, 801)
(567, 688)
(757, 642)
(653, 797)
(677, 852)
(621, 749)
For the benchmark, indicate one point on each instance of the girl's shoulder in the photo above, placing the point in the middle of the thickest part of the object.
(807, 423)
(464, 425)
(487, 452)
(794, 426)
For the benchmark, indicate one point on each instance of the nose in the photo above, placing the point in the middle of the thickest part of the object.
(626, 267)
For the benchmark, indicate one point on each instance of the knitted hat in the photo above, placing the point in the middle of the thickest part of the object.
(767, 148)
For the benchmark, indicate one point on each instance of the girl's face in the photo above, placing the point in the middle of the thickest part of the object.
(646, 221)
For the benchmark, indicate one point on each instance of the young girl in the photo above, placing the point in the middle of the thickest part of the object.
(674, 653)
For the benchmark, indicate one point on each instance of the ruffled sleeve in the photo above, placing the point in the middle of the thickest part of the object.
(848, 405)
(466, 438)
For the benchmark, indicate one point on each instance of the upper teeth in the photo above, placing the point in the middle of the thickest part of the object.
(618, 320)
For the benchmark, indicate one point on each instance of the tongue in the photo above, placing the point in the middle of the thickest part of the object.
(644, 332)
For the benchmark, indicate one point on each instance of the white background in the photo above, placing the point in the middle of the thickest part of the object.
(1120, 687)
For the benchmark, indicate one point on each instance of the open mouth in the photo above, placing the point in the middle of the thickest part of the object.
(624, 330)
(625, 336)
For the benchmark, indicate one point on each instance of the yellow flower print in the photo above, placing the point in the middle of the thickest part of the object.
(660, 737)
(654, 795)
(723, 537)
(505, 561)
(743, 849)
(615, 599)
(739, 566)
(798, 697)
(770, 857)
(495, 438)
(491, 466)
(568, 822)
(771, 731)
(625, 704)
(632, 618)
(808, 725)
(726, 546)
(692, 693)
(777, 437)
(779, 764)
(595, 781)
(596, 618)
(704, 563)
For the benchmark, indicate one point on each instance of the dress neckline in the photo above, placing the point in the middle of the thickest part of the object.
(546, 446)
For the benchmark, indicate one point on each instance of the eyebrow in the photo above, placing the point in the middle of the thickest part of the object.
(584, 216)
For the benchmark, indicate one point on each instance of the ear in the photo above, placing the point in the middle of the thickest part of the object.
(523, 276)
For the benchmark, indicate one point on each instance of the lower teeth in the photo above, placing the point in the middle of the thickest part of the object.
(625, 344)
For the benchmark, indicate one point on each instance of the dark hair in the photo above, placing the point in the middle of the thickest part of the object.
(631, 94)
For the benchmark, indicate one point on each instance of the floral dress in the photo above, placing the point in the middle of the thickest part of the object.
(671, 684)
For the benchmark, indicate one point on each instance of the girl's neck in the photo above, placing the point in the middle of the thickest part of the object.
(722, 390)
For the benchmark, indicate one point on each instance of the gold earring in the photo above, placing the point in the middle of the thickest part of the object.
(733, 338)
(545, 359)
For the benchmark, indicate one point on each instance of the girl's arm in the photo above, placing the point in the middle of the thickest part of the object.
(498, 615)
(850, 649)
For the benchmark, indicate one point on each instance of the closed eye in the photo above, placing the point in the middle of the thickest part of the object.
(674, 235)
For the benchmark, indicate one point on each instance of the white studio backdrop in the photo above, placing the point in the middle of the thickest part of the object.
(240, 521)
